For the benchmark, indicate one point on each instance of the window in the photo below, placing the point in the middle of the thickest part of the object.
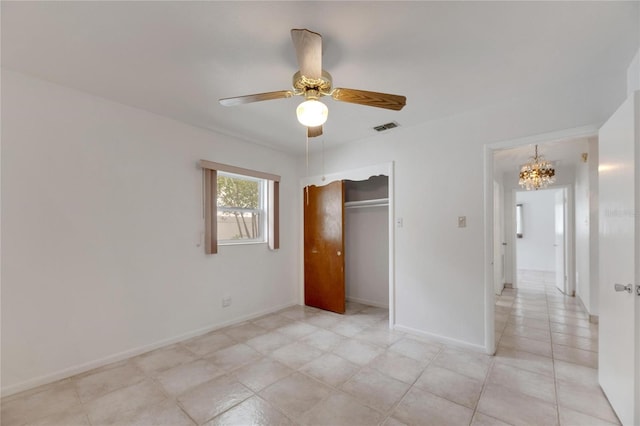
(519, 220)
(240, 206)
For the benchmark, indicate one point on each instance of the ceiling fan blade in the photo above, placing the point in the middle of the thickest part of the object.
(239, 100)
(374, 99)
(308, 47)
(312, 132)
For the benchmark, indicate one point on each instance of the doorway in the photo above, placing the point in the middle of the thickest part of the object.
(346, 247)
(366, 238)
(502, 161)
(542, 242)
(362, 174)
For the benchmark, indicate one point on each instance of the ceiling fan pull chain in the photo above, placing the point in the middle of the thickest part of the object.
(323, 178)
(307, 187)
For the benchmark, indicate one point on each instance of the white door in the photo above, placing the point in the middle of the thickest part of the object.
(619, 356)
(498, 246)
(559, 243)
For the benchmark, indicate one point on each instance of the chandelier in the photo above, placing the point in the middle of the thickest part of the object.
(537, 173)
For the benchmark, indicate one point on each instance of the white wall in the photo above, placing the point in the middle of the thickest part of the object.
(633, 74)
(499, 241)
(535, 250)
(439, 175)
(586, 207)
(509, 228)
(367, 255)
(582, 221)
(101, 215)
(594, 235)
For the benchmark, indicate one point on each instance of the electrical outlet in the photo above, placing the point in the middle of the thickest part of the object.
(226, 302)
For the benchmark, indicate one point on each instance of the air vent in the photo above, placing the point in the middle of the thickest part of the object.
(383, 127)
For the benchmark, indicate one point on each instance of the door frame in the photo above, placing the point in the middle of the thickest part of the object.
(363, 173)
(499, 251)
(488, 166)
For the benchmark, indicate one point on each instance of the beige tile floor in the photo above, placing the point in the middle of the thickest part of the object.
(306, 366)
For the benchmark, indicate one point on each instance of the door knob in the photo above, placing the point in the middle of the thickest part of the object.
(620, 287)
(340, 254)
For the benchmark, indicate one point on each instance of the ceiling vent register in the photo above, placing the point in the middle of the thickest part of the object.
(388, 126)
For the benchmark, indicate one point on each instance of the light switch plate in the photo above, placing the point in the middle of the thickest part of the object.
(399, 222)
(462, 221)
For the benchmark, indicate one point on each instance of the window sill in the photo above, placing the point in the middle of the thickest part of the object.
(239, 243)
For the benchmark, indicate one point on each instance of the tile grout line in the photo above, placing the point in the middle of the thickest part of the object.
(482, 390)
(553, 364)
(393, 408)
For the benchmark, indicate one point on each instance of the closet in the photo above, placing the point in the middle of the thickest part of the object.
(346, 243)
(366, 237)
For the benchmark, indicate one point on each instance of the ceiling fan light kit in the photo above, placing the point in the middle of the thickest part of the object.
(312, 113)
(313, 82)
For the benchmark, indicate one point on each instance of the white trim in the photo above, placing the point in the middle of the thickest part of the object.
(514, 240)
(573, 133)
(489, 285)
(232, 243)
(210, 165)
(584, 307)
(78, 369)
(442, 339)
(364, 173)
(392, 244)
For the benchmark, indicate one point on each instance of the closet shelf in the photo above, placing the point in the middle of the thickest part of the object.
(366, 203)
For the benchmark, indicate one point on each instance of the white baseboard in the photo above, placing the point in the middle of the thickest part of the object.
(367, 302)
(594, 319)
(78, 369)
(446, 340)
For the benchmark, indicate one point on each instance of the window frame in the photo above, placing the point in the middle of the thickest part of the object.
(210, 171)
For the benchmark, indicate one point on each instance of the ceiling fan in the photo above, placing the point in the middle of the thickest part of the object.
(312, 82)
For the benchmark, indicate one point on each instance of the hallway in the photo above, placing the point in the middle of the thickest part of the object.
(548, 353)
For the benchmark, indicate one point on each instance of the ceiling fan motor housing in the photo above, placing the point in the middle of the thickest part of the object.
(312, 88)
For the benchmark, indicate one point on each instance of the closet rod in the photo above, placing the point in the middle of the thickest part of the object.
(381, 202)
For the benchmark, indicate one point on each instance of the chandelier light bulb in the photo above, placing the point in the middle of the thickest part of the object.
(312, 113)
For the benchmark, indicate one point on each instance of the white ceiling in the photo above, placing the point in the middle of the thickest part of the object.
(562, 153)
(178, 58)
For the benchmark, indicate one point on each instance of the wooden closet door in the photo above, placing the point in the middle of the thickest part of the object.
(324, 247)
